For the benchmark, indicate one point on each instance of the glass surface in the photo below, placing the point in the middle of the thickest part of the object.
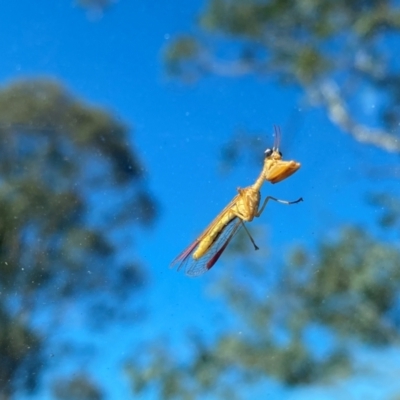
(126, 129)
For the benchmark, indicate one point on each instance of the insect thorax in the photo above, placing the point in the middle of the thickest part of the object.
(247, 203)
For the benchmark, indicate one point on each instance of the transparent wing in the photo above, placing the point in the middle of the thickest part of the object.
(198, 267)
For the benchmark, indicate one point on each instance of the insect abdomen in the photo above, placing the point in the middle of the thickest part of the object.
(209, 239)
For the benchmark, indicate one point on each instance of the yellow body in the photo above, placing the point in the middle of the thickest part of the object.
(245, 205)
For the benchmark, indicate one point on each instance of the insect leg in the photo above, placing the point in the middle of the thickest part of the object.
(248, 233)
(259, 212)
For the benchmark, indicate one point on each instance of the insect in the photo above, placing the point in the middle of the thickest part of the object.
(205, 251)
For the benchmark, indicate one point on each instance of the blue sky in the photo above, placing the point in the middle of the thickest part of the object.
(116, 61)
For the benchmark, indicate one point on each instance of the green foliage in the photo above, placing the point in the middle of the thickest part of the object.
(57, 156)
(349, 287)
(353, 287)
(43, 109)
(390, 209)
(316, 45)
(346, 292)
(285, 30)
(95, 4)
(20, 350)
(79, 387)
(181, 56)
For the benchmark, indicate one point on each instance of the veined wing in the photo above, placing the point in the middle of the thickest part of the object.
(182, 256)
(198, 267)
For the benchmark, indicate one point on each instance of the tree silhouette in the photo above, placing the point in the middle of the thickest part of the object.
(78, 388)
(59, 157)
(334, 51)
(346, 290)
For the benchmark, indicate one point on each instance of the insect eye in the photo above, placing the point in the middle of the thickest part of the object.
(268, 152)
(280, 153)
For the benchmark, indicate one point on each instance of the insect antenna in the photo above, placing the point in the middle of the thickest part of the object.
(278, 135)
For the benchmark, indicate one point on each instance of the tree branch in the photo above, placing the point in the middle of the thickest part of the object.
(329, 93)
